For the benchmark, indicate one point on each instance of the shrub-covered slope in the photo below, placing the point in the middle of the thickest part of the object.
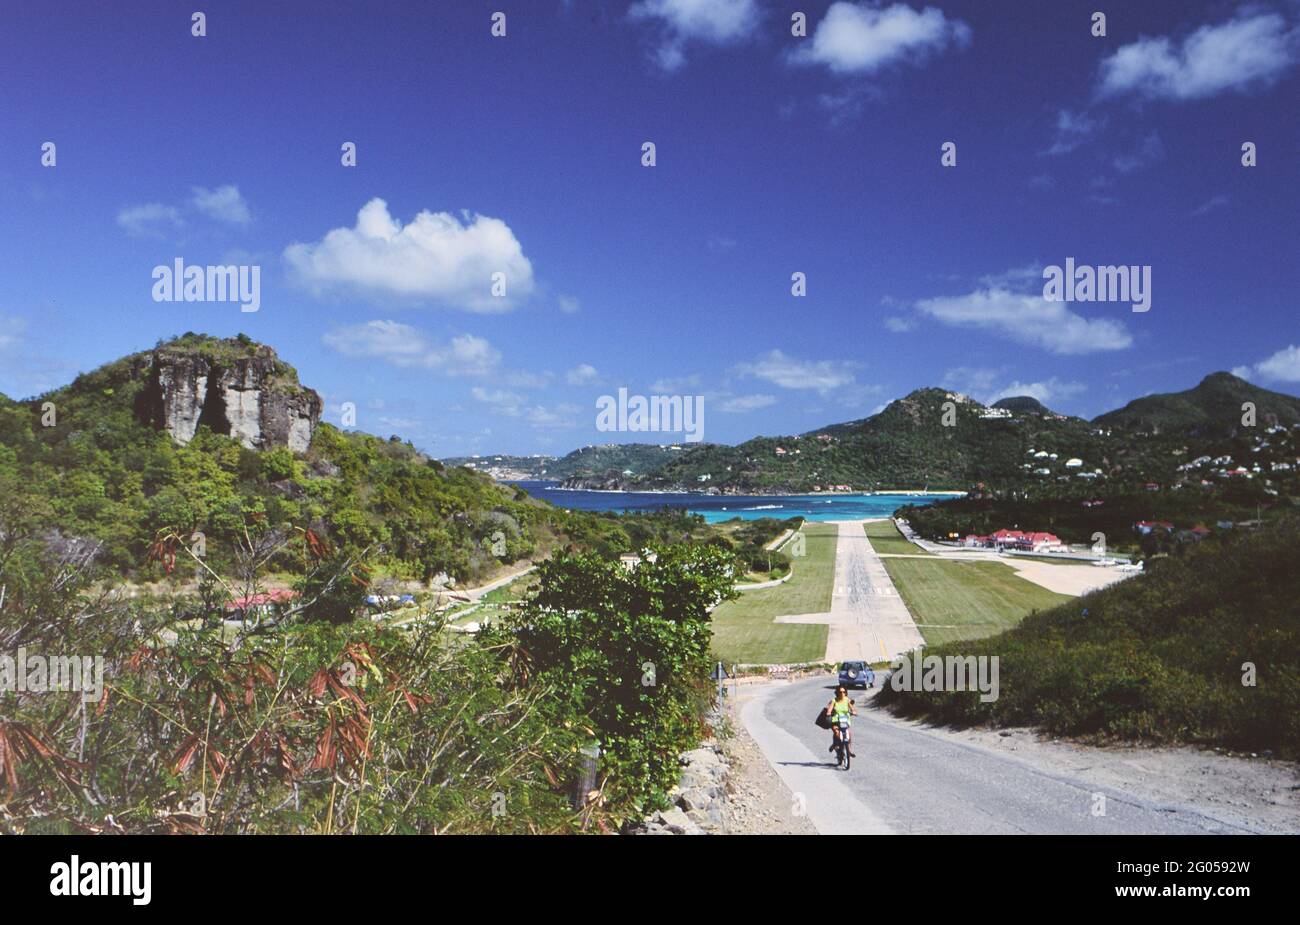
(1159, 657)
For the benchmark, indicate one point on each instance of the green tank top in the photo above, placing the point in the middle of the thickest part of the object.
(840, 707)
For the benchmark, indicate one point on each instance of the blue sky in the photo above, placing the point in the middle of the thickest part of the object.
(775, 154)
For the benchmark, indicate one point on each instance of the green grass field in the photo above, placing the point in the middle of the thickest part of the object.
(885, 538)
(952, 601)
(743, 630)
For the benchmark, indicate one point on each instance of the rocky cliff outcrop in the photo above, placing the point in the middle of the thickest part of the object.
(239, 389)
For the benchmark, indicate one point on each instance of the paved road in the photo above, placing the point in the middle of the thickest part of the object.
(913, 780)
(867, 620)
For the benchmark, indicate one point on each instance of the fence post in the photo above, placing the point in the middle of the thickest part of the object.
(588, 765)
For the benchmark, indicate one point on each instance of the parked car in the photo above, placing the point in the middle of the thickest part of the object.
(857, 674)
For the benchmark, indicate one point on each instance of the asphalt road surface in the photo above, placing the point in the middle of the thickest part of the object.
(914, 780)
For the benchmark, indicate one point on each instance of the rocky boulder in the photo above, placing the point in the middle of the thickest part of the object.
(699, 799)
(237, 388)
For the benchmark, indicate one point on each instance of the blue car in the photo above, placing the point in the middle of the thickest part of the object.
(856, 674)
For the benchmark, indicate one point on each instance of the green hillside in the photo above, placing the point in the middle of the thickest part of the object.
(1211, 409)
(912, 443)
(102, 471)
(1203, 648)
(1022, 403)
(530, 467)
(613, 459)
(607, 462)
(1020, 458)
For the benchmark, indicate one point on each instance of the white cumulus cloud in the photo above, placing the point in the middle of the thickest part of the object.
(1072, 130)
(434, 257)
(402, 345)
(1028, 319)
(1253, 49)
(1283, 366)
(225, 204)
(741, 404)
(514, 405)
(149, 220)
(582, 374)
(861, 38)
(792, 373)
(990, 385)
(715, 22)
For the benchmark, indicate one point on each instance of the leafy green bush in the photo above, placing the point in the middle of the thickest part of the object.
(628, 651)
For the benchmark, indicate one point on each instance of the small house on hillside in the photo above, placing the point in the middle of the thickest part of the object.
(259, 605)
(1150, 526)
(630, 560)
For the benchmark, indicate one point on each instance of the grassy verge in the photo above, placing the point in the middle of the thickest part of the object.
(885, 538)
(743, 630)
(951, 601)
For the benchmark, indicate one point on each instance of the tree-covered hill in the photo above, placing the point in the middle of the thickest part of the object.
(931, 437)
(1022, 403)
(1212, 409)
(609, 460)
(91, 461)
(942, 440)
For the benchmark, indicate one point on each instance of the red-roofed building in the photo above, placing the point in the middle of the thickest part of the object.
(1146, 526)
(1028, 541)
(263, 602)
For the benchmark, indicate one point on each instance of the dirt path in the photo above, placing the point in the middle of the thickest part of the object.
(758, 803)
(475, 593)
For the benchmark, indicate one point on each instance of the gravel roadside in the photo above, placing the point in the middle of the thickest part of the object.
(758, 802)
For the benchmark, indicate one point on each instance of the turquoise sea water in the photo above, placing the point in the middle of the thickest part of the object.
(718, 507)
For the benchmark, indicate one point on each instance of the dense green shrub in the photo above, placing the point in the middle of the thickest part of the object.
(628, 650)
(1159, 657)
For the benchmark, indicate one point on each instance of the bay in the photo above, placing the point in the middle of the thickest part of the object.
(716, 508)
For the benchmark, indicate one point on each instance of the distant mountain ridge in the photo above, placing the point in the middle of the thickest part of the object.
(604, 461)
(942, 439)
(1024, 403)
(1213, 408)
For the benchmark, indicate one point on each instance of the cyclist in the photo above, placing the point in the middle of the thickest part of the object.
(839, 710)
